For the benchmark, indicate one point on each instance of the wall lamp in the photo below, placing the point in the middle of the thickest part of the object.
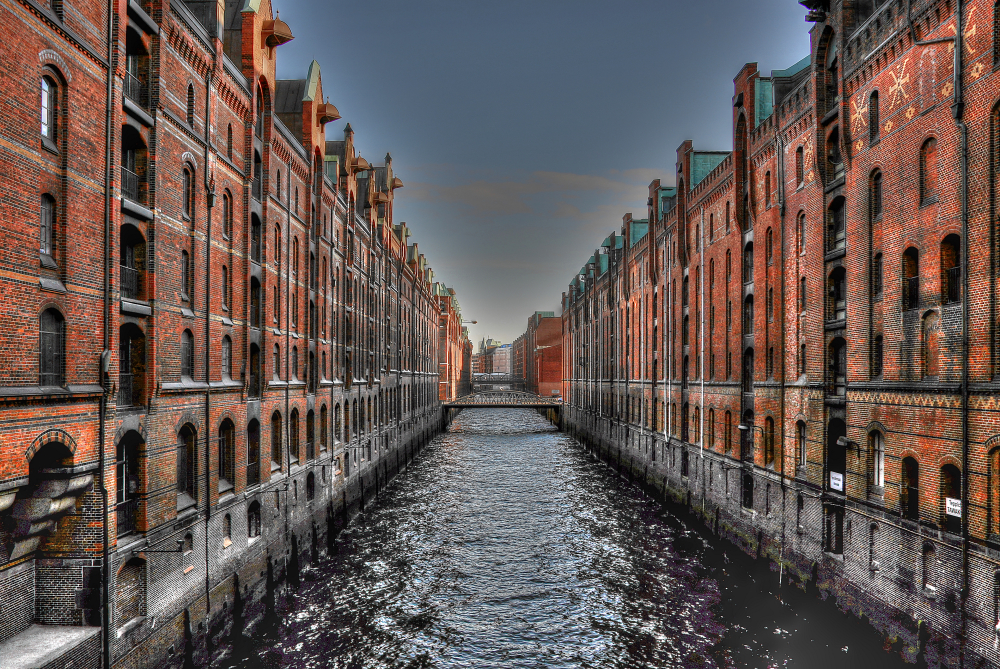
(849, 443)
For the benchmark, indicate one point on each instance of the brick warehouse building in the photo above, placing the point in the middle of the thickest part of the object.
(231, 341)
(825, 395)
(537, 355)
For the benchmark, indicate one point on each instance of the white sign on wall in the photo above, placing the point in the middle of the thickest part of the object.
(837, 481)
(953, 507)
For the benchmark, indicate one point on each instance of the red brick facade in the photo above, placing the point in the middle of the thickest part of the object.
(220, 342)
(813, 286)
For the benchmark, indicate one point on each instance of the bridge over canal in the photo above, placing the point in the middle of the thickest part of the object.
(504, 399)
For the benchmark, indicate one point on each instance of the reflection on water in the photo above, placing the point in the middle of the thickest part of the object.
(506, 545)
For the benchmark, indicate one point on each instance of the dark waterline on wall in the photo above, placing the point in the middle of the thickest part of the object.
(507, 545)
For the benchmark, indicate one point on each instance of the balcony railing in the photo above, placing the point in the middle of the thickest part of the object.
(131, 282)
(911, 292)
(953, 292)
(255, 244)
(130, 185)
(127, 512)
(136, 90)
(258, 187)
(129, 390)
(310, 450)
(253, 473)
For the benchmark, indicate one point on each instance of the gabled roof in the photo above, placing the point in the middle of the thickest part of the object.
(703, 162)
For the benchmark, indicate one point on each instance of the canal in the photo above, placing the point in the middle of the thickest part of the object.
(507, 545)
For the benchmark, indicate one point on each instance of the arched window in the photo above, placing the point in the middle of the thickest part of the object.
(802, 360)
(50, 109)
(186, 467)
(875, 195)
(928, 172)
(323, 428)
(295, 364)
(253, 452)
(256, 307)
(836, 226)
(225, 288)
(51, 348)
(186, 277)
(832, 89)
(834, 157)
(838, 366)
(951, 270)
(226, 357)
(930, 334)
(728, 216)
(876, 450)
(767, 190)
(293, 436)
(748, 263)
(800, 443)
(877, 277)
(227, 217)
(873, 118)
(800, 166)
(802, 232)
(909, 501)
(187, 355)
(929, 567)
(337, 424)
(130, 592)
(276, 363)
(310, 435)
(711, 428)
(951, 498)
(837, 307)
(253, 520)
(748, 315)
(769, 451)
(911, 278)
(47, 227)
(769, 246)
(229, 141)
(310, 487)
(187, 192)
(276, 459)
(877, 356)
(227, 455)
(190, 105)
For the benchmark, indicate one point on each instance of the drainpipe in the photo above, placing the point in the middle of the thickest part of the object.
(106, 354)
(781, 341)
(668, 298)
(210, 203)
(701, 344)
(958, 109)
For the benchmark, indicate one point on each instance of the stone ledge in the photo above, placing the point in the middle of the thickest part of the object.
(40, 645)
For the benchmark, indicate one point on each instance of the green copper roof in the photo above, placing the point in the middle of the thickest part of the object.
(251, 6)
(638, 231)
(703, 162)
(764, 104)
(312, 82)
(603, 267)
(794, 69)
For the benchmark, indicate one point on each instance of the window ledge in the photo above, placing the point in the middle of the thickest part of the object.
(53, 285)
(187, 313)
(833, 254)
(183, 386)
(136, 209)
(134, 110)
(137, 307)
(228, 321)
(130, 626)
(144, 19)
(48, 262)
(185, 502)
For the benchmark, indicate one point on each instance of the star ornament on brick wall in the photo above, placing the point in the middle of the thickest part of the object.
(910, 113)
(888, 126)
(977, 71)
(858, 145)
(897, 92)
(859, 115)
(947, 89)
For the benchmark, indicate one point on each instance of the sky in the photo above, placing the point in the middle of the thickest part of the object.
(524, 130)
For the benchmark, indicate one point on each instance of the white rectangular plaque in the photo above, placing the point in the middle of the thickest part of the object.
(837, 481)
(953, 507)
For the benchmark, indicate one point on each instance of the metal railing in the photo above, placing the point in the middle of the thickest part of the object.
(911, 292)
(258, 187)
(953, 292)
(129, 390)
(310, 450)
(254, 386)
(127, 513)
(255, 244)
(253, 473)
(131, 282)
(136, 90)
(130, 185)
